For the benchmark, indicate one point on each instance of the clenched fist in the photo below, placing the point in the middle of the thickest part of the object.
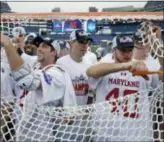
(138, 66)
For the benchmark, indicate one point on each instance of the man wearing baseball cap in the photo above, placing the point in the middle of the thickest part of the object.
(62, 47)
(45, 84)
(107, 79)
(37, 41)
(29, 47)
(74, 65)
(76, 68)
(18, 34)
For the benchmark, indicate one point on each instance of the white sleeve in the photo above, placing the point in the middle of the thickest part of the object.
(30, 60)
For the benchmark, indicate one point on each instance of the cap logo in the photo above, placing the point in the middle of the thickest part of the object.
(125, 39)
(82, 33)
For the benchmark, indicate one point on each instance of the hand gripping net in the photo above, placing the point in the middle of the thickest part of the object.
(137, 117)
(147, 35)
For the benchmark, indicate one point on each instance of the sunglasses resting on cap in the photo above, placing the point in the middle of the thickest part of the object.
(80, 36)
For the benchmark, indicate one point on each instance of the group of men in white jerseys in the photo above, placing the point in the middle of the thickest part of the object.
(67, 81)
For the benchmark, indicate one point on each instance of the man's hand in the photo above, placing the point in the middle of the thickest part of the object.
(14, 59)
(5, 40)
(138, 66)
(157, 30)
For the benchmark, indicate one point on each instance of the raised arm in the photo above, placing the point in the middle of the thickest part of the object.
(22, 73)
(14, 59)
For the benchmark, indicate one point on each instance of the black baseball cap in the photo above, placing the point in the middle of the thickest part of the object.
(81, 36)
(38, 40)
(29, 38)
(122, 41)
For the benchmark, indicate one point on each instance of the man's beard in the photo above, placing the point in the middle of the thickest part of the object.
(117, 60)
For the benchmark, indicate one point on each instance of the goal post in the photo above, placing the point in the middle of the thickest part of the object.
(11, 20)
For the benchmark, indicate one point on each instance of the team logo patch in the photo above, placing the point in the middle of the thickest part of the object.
(47, 77)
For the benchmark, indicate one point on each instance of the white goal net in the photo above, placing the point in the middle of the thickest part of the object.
(137, 117)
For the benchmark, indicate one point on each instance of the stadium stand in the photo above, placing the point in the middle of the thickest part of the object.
(4, 7)
(115, 26)
(124, 8)
(154, 6)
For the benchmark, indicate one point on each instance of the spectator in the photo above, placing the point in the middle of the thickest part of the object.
(19, 34)
(100, 52)
(29, 47)
(62, 47)
(90, 57)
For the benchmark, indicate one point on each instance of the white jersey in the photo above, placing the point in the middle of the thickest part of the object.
(77, 73)
(131, 115)
(54, 72)
(90, 58)
(57, 90)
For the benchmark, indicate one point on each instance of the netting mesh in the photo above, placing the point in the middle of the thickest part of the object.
(149, 36)
(137, 117)
(7, 25)
(105, 121)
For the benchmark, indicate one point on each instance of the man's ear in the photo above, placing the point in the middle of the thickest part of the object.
(54, 53)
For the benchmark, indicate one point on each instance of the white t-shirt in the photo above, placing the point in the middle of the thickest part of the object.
(57, 90)
(77, 73)
(90, 58)
(107, 58)
(134, 121)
